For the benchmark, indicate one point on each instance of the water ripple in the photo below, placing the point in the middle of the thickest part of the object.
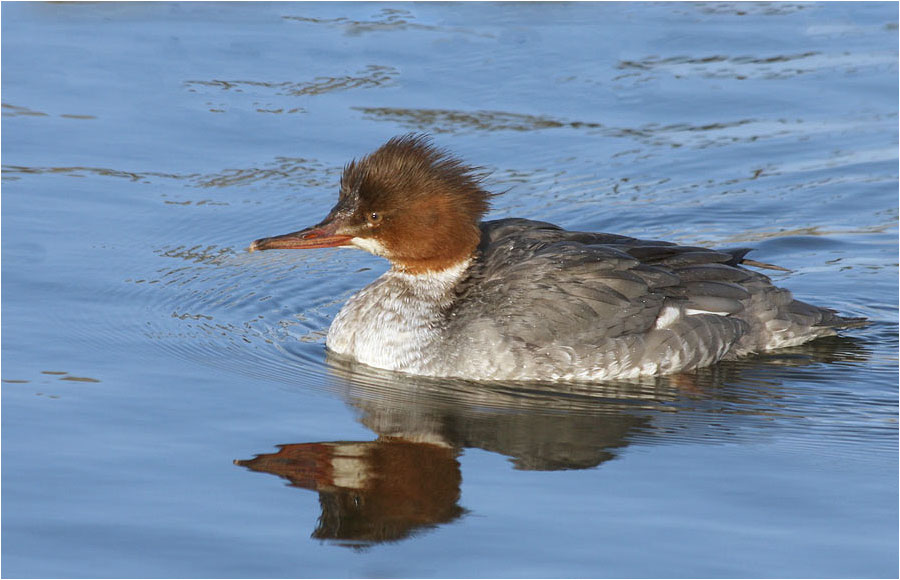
(370, 77)
(286, 172)
(780, 66)
(387, 20)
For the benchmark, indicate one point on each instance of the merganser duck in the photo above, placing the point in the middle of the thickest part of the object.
(516, 299)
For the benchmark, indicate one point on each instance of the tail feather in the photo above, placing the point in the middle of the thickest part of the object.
(738, 258)
(833, 320)
(822, 318)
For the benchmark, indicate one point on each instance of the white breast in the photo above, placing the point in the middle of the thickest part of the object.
(393, 322)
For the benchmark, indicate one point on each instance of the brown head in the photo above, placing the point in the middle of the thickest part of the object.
(409, 201)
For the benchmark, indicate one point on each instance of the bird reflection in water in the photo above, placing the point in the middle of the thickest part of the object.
(373, 491)
(409, 479)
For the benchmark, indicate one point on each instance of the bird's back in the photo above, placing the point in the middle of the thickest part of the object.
(543, 302)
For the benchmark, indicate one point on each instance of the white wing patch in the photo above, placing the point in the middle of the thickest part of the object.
(693, 311)
(667, 316)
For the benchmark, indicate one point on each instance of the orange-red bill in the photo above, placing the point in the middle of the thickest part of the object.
(304, 239)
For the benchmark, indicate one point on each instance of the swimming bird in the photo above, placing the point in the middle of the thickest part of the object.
(517, 299)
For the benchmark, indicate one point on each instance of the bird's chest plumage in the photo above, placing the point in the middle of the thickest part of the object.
(394, 322)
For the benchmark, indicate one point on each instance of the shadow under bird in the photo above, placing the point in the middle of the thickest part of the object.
(516, 299)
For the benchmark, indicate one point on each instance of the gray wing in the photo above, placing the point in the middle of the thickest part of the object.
(538, 284)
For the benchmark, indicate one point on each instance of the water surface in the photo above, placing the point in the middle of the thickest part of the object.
(169, 408)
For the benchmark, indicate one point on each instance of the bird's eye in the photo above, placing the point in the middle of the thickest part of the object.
(374, 218)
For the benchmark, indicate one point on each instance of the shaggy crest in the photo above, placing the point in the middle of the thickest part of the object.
(409, 168)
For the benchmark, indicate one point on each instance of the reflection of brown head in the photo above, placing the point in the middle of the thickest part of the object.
(371, 491)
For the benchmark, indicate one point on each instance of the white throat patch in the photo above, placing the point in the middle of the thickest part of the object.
(370, 245)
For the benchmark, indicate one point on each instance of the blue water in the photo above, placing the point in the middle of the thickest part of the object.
(144, 351)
